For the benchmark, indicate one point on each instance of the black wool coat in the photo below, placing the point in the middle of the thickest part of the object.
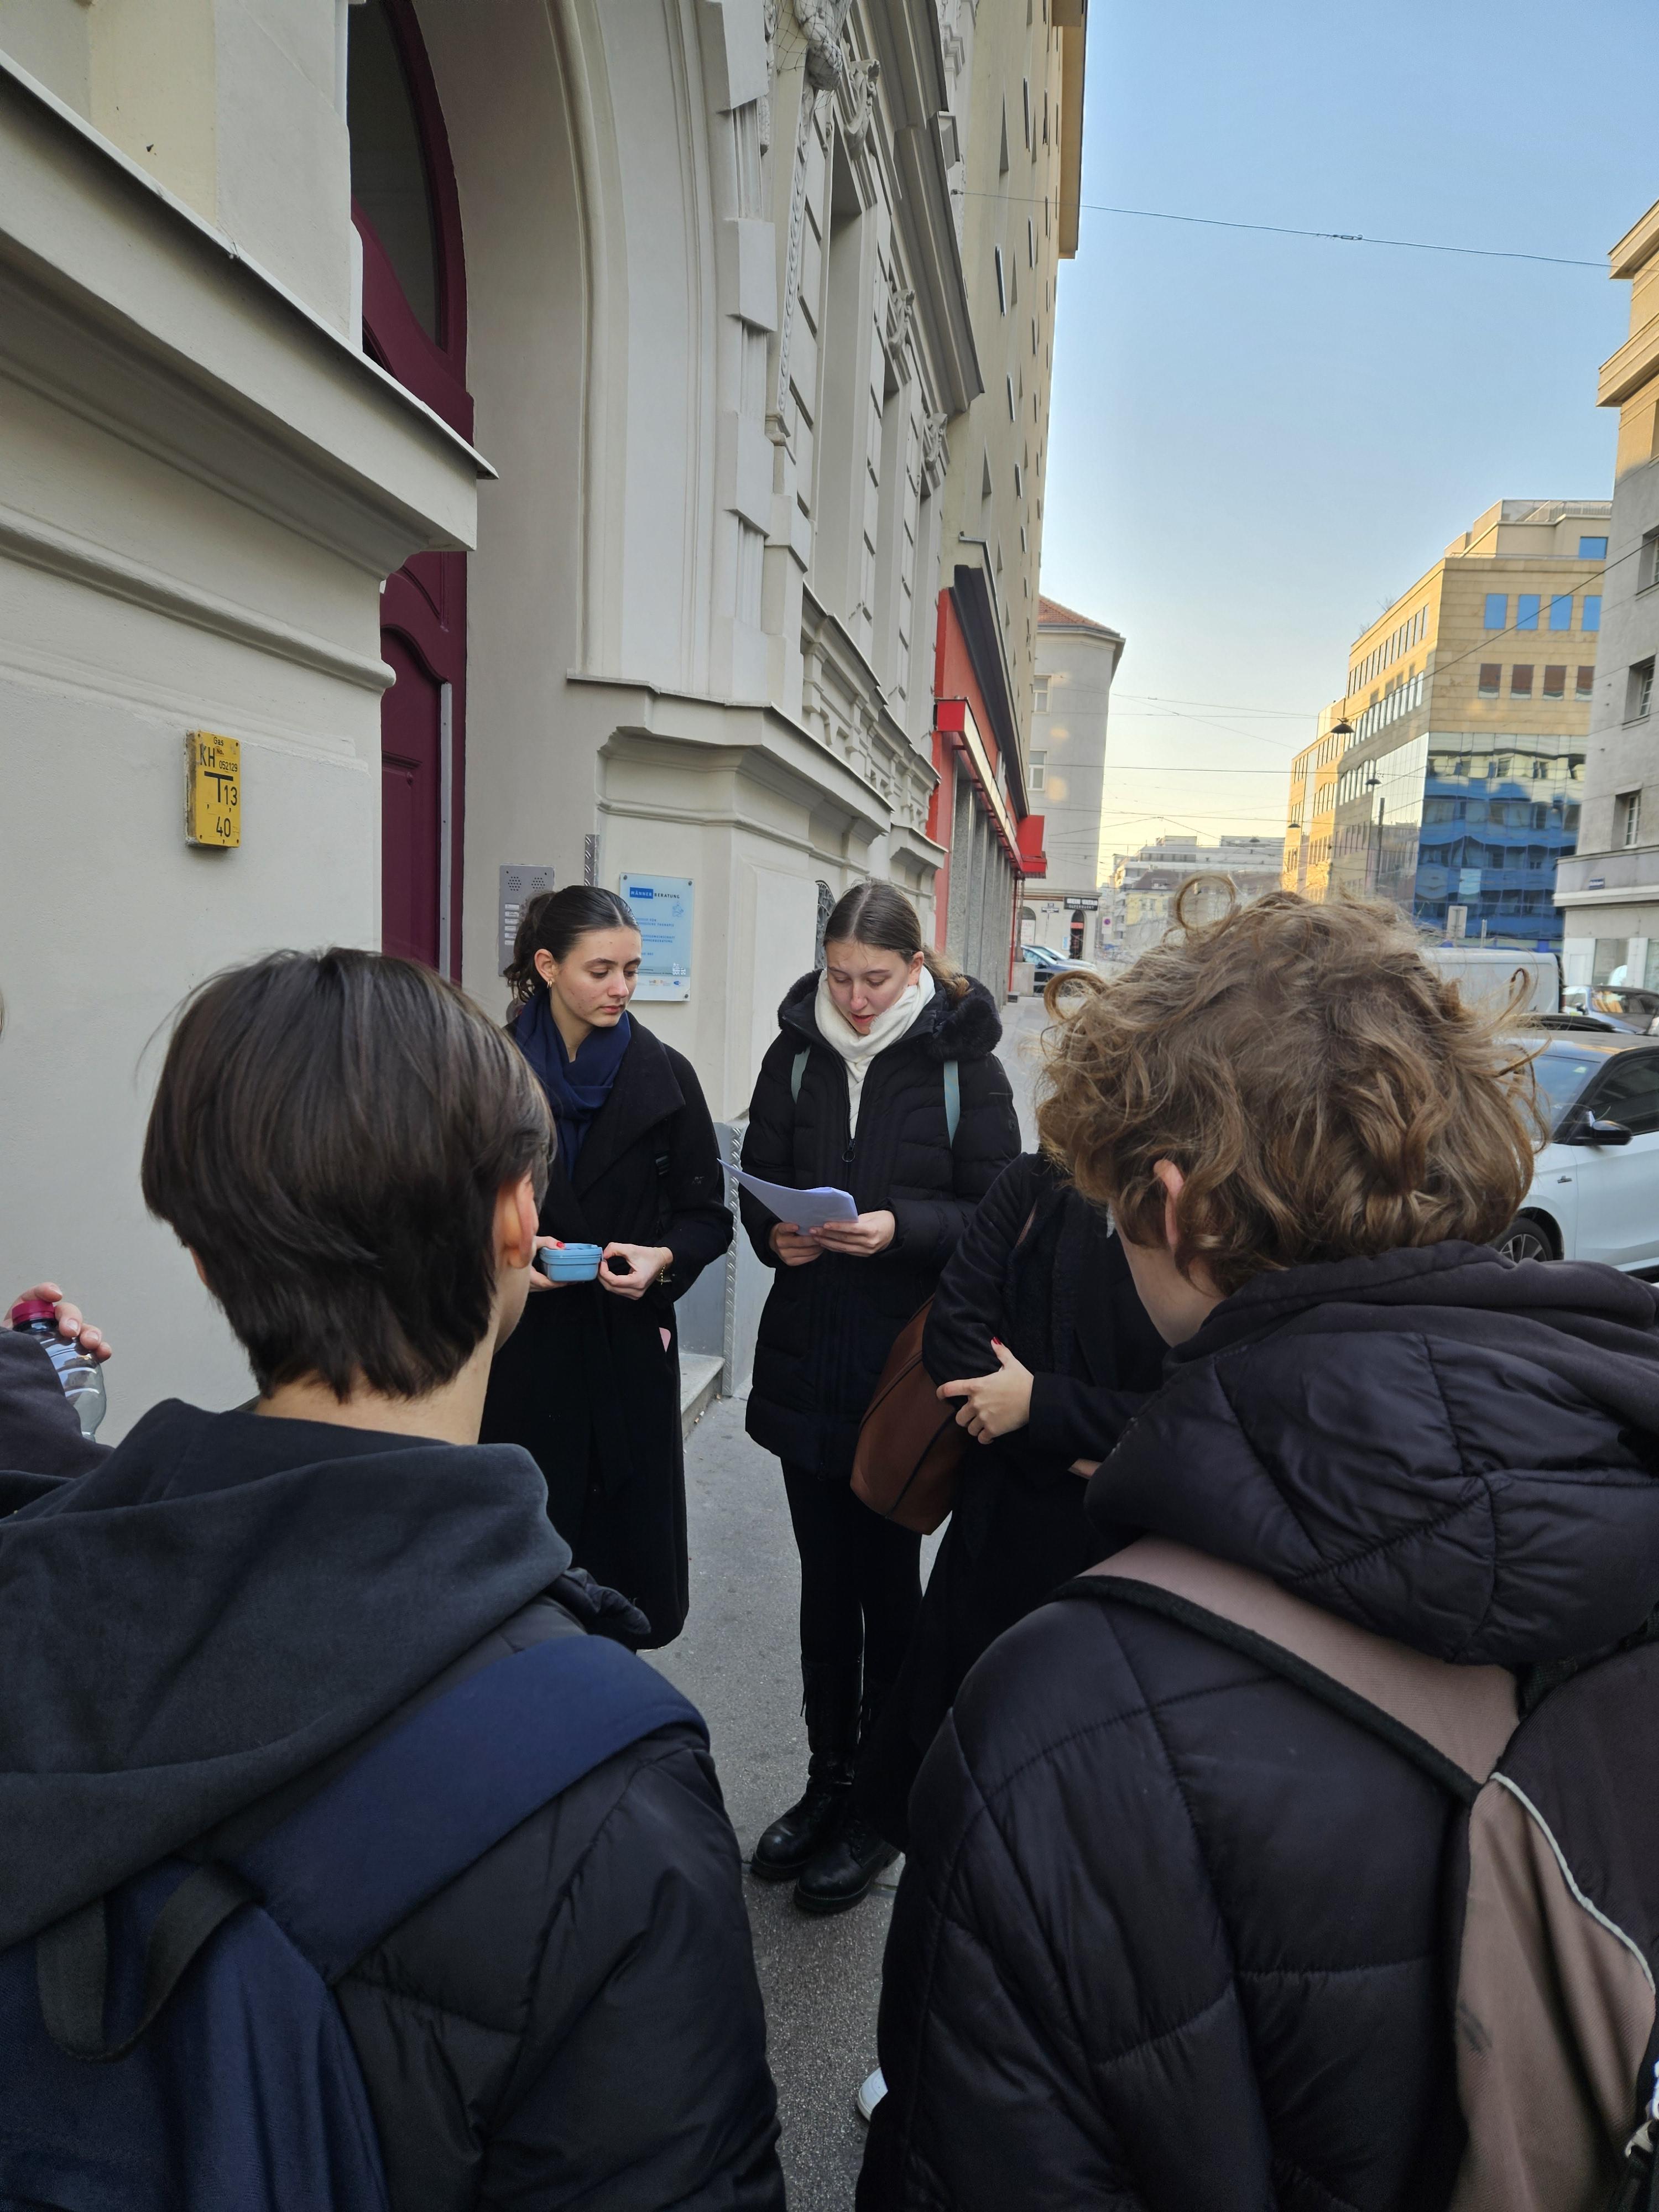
(1172, 1934)
(585, 1383)
(1061, 1299)
(827, 1327)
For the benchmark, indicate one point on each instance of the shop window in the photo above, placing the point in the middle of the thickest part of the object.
(1521, 680)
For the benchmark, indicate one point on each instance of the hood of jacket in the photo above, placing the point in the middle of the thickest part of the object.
(223, 1603)
(1442, 1445)
(968, 1027)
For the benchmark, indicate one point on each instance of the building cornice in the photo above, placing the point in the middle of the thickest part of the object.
(1618, 895)
(120, 302)
(1638, 246)
(1635, 363)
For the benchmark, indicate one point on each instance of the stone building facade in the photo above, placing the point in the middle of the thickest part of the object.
(541, 438)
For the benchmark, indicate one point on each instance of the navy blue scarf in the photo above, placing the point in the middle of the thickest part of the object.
(576, 1089)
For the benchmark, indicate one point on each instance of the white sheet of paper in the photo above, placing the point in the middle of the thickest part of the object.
(807, 1209)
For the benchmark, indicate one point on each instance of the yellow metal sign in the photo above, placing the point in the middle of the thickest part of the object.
(213, 789)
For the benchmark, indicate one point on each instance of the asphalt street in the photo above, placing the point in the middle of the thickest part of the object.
(737, 1661)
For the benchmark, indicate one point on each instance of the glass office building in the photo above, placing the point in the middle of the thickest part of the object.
(1478, 823)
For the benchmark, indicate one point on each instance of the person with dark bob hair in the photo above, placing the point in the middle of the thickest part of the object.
(231, 1611)
(590, 1384)
(1173, 1928)
(882, 1081)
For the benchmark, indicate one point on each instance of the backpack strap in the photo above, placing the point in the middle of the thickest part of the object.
(952, 1098)
(423, 1803)
(389, 1832)
(1454, 1721)
(797, 1069)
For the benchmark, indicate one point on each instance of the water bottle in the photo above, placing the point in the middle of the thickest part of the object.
(81, 1376)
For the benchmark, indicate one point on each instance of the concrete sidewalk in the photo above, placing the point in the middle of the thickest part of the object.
(739, 1662)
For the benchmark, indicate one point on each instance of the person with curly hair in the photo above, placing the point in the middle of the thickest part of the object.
(1171, 1930)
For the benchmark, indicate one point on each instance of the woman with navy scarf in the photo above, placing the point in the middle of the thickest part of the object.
(589, 1381)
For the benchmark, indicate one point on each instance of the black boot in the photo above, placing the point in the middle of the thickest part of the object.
(840, 1873)
(830, 1702)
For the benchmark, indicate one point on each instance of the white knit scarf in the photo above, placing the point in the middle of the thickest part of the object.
(857, 1051)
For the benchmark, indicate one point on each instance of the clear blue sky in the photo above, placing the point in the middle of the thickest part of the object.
(1256, 442)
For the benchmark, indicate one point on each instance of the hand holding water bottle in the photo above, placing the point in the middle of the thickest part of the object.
(75, 1349)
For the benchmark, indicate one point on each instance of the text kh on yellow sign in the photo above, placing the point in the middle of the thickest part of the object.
(213, 789)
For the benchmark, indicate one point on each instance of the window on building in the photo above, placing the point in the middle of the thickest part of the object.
(1002, 285)
(1561, 611)
(1592, 610)
(1037, 770)
(1025, 95)
(1030, 243)
(1526, 610)
(1012, 410)
(1521, 680)
(1592, 549)
(1647, 561)
(1040, 694)
(1492, 678)
(1555, 680)
(1627, 817)
(1585, 687)
(1639, 696)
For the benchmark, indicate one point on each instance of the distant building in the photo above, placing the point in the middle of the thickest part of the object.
(1310, 824)
(1608, 892)
(1145, 885)
(1459, 792)
(1077, 659)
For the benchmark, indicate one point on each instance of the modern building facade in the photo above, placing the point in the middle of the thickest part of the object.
(1019, 134)
(541, 438)
(1608, 892)
(1310, 824)
(1459, 793)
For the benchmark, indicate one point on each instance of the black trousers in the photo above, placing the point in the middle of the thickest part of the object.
(860, 1578)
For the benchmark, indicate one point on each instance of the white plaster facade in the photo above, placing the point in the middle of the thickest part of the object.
(202, 481)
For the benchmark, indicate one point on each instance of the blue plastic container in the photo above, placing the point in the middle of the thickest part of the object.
(570, 1263)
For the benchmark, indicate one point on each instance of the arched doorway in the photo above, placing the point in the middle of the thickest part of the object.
(407, 212)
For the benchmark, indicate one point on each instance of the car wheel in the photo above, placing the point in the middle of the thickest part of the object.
(1526, 1240)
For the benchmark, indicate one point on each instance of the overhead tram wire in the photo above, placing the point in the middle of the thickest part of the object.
(1290, 230)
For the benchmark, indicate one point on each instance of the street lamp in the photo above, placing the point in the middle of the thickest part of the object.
(1374, 782)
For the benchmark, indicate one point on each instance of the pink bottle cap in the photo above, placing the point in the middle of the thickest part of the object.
(28, 1309)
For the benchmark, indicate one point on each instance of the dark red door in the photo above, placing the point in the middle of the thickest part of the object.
(407, 212)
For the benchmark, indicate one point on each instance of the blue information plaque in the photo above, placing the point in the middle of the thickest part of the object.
(662, 908)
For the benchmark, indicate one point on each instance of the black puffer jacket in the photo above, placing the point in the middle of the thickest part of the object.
(828, 1327)
(1172, 1934)
(208, 1623)
(1040, 1269)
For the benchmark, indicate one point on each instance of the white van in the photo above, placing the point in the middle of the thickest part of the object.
(1488, 978)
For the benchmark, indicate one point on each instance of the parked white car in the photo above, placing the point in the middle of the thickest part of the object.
(1595, 1193)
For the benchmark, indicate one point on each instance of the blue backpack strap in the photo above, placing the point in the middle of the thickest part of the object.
(798, 1068)
(952, 1097)
(422, 1804)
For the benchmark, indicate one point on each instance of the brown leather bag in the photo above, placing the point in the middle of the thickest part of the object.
(909, 1449)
